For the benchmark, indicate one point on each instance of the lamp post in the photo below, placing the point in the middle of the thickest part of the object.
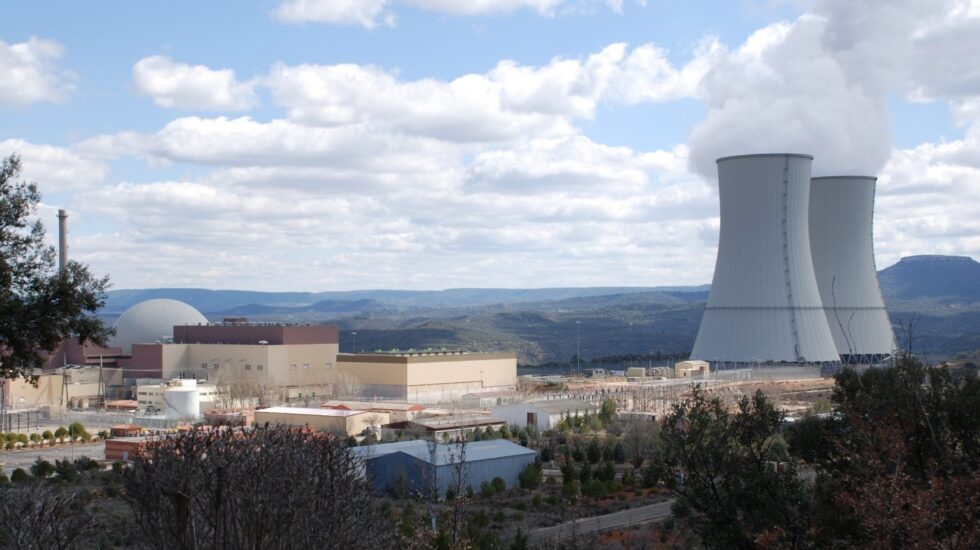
(353, 341)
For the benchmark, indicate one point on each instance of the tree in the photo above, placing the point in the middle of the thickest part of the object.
(262, 488)
(40, 306)
(38, 515)
(719, 465)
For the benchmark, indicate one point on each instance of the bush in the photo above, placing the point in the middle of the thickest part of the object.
(4, 480)
(536, 501)
(61, 432)
(450, 493)
(22, 439)
(19, 476)
(499, 516)
(499, 485)
(66, 470)
(42, 468)
(530, 478)
(11, 437)
(117, 467)
(547, 455)
(47, 435)
(552, 499)
(570, 490)
(521, 506)
(86, 464)
(76, 429)
(595, 489)
(680, 508)
(9, 445)
(486, 490)
(35, 437)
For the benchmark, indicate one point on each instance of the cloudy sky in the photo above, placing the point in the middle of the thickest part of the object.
(427, 144)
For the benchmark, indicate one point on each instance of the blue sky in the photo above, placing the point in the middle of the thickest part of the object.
(434, 144)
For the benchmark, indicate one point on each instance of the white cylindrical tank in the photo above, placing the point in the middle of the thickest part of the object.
(764, 305)
(182, 403)
(841, 242)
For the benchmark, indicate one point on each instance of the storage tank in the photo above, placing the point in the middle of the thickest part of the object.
(764, 305)
(842, 245)
(182, 403)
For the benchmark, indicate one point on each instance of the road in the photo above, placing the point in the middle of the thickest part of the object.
(582, 526)
(12, 460)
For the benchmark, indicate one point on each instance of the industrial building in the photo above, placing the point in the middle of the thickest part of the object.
(841, 242)
(444, 428)
(545, 415)
(691, 369)
(430, 377)
(333, 421)
(418, 465)
(397, 412)
(178, 398)
(764, 305)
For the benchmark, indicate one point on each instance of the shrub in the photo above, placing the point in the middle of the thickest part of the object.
(530, 478)
(521, 506)
(117, 467)
(42, 468)
(547, 454)
(595, 489)
(35, 437)
(552, 500)
(47, 435)
(19, 475)
(9, 445)
(61, 432)
(486, 490)
(11, 437)
(86, 464)
(22, 439)
(76, 429)
(680, 508)
(499, 485)
(499, 516)
(536, 501)
(570, 490)
(66, 470)
(517, 516)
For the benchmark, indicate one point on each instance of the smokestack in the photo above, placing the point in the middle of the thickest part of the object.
(62, 239)
(764, 305)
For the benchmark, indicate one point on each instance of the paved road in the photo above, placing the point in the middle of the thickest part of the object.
(23, 459)
(582, 526)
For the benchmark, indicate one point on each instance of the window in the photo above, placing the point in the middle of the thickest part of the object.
(306, 365)
(248, 367)
(328, 364)
(292, 367)
(204, 365)
(259, 367)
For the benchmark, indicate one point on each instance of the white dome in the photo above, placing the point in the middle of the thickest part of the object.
(153, 321)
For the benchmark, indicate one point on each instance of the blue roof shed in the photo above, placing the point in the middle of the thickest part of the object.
(416, 462)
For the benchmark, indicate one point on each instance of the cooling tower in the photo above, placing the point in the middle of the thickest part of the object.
(764, 305)
(841, 242)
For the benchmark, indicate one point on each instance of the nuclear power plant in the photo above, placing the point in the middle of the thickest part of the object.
(794, 279)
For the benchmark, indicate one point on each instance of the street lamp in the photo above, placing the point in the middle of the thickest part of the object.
(353, 342)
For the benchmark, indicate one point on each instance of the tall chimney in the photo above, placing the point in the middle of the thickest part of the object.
(62, 239)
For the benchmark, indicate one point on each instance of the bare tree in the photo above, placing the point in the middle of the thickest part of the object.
(38, 515)
(237, 387)
(457, 460)
(269, 487)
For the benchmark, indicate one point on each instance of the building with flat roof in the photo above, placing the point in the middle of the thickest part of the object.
(336, 422)
(444, 428)
(397, 412)
(436, 377)
(546, 414)
(419, 464)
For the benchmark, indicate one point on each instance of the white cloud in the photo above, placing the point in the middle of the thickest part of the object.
(371, 13)
(30, 73)
(55, 169)
(365, 13)
(173, 84)
(511, 101)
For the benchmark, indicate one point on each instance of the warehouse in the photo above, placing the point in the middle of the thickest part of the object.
(444, 428)
(415, 464)
(546, 415)
(336, 422)
(397, 412)
(430, 377)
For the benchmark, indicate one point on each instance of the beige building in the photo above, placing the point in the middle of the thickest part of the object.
(333, 421)
(430, 377)
(71, 387)
(691, 369)
(397, 412)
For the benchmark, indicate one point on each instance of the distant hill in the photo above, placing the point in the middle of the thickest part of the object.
(549, 324)
(940, 278)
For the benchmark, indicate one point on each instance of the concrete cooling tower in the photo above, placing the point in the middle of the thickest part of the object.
(841, 211)
(764, 305)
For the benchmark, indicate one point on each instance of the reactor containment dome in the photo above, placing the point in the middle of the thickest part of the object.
(764, 305)
(841, 242)
(153, 321)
